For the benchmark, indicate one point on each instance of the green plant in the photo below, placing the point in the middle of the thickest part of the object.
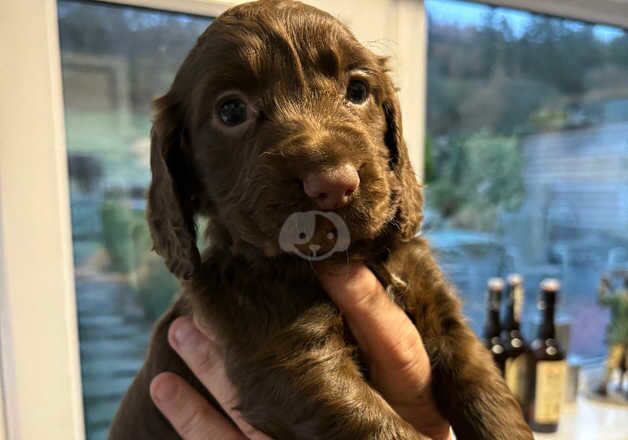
(127, 240)
(155, 286)
(475, 177)
(125, 234)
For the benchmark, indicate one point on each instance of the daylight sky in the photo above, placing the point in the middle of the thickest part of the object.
(472, 14)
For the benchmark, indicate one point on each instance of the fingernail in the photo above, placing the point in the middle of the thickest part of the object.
(164, 390)
(185, 333)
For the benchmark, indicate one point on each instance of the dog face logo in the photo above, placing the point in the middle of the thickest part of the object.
(314, 235)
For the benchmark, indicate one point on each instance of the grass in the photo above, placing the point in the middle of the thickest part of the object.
(119, 141)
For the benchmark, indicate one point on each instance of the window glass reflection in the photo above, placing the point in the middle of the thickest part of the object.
(115, 60)
(527, 156)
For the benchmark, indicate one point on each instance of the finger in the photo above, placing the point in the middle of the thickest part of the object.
(398, 362)
(189, 413)
(207, 363)
(391, 343)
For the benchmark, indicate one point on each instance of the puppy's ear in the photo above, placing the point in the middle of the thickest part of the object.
(409, 215)
(170, 210)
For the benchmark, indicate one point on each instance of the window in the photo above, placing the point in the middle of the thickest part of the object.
(115, 60)
(526, 158)
(37, 309)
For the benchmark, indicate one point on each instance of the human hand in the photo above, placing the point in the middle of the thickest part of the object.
(193, 417)
(392, 347)
(397, 361)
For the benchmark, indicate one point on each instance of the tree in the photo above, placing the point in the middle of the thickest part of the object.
(476, 177)
(153, 43)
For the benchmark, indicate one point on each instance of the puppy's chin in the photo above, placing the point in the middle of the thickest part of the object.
(311, 234)
(327, 240)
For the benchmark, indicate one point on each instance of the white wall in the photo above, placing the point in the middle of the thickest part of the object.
(37, 311)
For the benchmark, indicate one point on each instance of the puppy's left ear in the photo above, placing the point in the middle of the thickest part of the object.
(170, 212)
(409, 214)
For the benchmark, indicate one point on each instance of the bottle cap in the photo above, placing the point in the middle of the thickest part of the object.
(495, 284)
(550, 285)
(515, 279)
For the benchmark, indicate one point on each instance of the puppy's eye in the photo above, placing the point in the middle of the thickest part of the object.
(233, 112)
(357, 91)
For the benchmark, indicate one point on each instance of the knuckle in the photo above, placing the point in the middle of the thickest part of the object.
(365, 299)
(408, 355)
(205, 363)
(366, 293)
(192, 424)
(361, 288)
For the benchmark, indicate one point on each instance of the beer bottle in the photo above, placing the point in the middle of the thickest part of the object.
(492, 327)
(515, 347)
(548, 366)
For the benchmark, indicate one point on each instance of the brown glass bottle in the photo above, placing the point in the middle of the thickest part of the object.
(492, 326)
(516, 350)
(548, 366)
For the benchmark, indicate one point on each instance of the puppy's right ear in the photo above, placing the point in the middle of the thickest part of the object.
(170, 211)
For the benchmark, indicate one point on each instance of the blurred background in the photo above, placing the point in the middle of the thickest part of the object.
(526, 155)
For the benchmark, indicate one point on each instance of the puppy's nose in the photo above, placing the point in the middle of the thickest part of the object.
(332, 188)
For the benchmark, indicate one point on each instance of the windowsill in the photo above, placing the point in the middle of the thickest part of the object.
(587, 420)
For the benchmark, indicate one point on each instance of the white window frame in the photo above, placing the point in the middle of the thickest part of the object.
(40, 387)
(610, 12)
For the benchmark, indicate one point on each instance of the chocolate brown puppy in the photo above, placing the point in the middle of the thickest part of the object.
(285, 133)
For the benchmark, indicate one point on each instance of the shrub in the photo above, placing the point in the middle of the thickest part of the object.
(156, 287)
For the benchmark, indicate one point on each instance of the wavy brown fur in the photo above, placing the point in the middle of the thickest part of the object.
(286, 345)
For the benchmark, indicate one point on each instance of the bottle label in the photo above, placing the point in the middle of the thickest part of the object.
(549, 391)
(517, 301)
(515, 374)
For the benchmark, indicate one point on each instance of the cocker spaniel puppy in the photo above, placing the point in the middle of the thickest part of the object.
(285, 132)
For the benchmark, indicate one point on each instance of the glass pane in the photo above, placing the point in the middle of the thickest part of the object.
(527, 156)
(115, 60)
